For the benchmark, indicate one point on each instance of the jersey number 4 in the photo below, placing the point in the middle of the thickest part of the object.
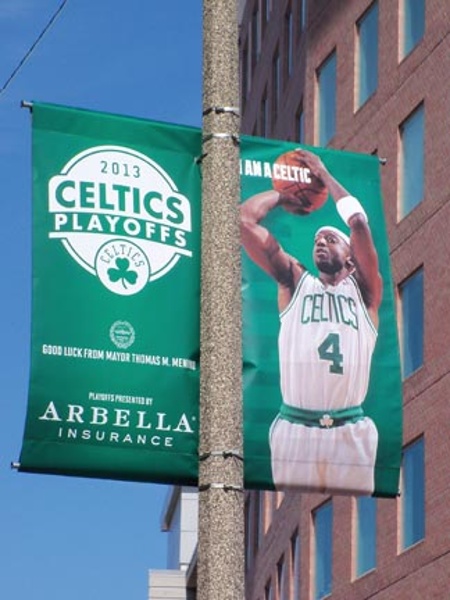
(330, 350)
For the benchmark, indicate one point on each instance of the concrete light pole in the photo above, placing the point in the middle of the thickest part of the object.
(221, 513)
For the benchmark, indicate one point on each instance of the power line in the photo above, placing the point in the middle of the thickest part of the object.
(33, 46)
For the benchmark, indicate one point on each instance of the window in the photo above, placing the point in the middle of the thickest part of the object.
(281, 578)
(268, 591)
(412, 23)
(256, 37)
(266, 8)
(323, 555)
(412, 161)
(279, 498)
(303, 14)
(289, 37)
(261, 517)
(366, 535)
(276, 84)
(326, 78)
(413, 494)
(244, 74)
(367, 29)
(295, 562)
(248, 524)
(252, 527)
(412, 322)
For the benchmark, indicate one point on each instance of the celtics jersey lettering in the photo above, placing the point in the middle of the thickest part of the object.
(325, 344)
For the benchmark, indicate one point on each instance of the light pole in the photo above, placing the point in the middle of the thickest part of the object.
(221, 513)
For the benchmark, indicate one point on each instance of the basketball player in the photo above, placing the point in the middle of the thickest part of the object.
(321, 440)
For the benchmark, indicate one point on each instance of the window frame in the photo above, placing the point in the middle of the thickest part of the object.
(326, 566)
(405, 49)
(406, 332)
(411, 161)
(326, 121)
(295, 577)
(276, 84)
(366, 61)
(360, 569)
(408, 502)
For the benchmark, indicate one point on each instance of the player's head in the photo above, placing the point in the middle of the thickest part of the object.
(331, 251)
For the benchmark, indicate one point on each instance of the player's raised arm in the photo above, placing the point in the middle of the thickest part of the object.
(261, 245)
(363, 250)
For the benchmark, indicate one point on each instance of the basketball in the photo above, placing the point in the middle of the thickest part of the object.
(292, 177)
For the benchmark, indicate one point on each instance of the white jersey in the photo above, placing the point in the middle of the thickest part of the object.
(326, 344)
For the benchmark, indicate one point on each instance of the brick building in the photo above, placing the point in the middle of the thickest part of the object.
(367, 76)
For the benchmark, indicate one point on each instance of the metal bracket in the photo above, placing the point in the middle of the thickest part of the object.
(220, 486)
(222, 453)
(234, 110)
(199, 159)
(221, 136)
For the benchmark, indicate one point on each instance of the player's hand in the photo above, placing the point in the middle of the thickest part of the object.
(313, 161)
(297, 205)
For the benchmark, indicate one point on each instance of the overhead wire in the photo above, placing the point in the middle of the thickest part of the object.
(33, 46)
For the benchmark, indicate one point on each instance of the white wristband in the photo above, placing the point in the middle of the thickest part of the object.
(349, 206)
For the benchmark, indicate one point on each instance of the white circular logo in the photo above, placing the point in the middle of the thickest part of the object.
(120, 216)
(122, 335)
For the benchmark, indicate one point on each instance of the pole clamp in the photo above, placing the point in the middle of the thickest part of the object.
(234, 110)
(221, 136)
(222, 453)
(226, 487)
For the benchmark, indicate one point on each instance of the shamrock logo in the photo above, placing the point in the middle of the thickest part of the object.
(119, 274)
(122, 272)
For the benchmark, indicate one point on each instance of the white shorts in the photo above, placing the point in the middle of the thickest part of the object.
(339, 459)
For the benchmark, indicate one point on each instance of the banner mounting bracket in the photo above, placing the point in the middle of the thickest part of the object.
(222, 453)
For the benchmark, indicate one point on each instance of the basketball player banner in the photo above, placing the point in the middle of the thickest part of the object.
(114, 384)
(322, 384)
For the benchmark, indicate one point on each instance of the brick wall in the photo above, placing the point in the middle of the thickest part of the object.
(421, 238)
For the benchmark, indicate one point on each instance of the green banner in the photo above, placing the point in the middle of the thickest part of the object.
(115, 313)
(322, 386)
(114, 385)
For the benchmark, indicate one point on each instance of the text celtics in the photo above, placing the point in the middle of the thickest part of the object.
(117, 425)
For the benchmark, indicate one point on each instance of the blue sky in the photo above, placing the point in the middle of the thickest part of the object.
(63, 537)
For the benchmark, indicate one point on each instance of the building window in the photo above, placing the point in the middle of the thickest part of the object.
(268, 591)
(295, 562)
(276, 85)
(303, 14)
(326, 78)
(323, 554)
(266, 8)
(412, 161)
(246, 532)
(279, 498)
(256, 37)
(289, 40)
(366, 535)
(412, 23)
(244, 74)
(281, 578)
(413, 494)
(367, 30)
(261, 517)
(412, 322)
